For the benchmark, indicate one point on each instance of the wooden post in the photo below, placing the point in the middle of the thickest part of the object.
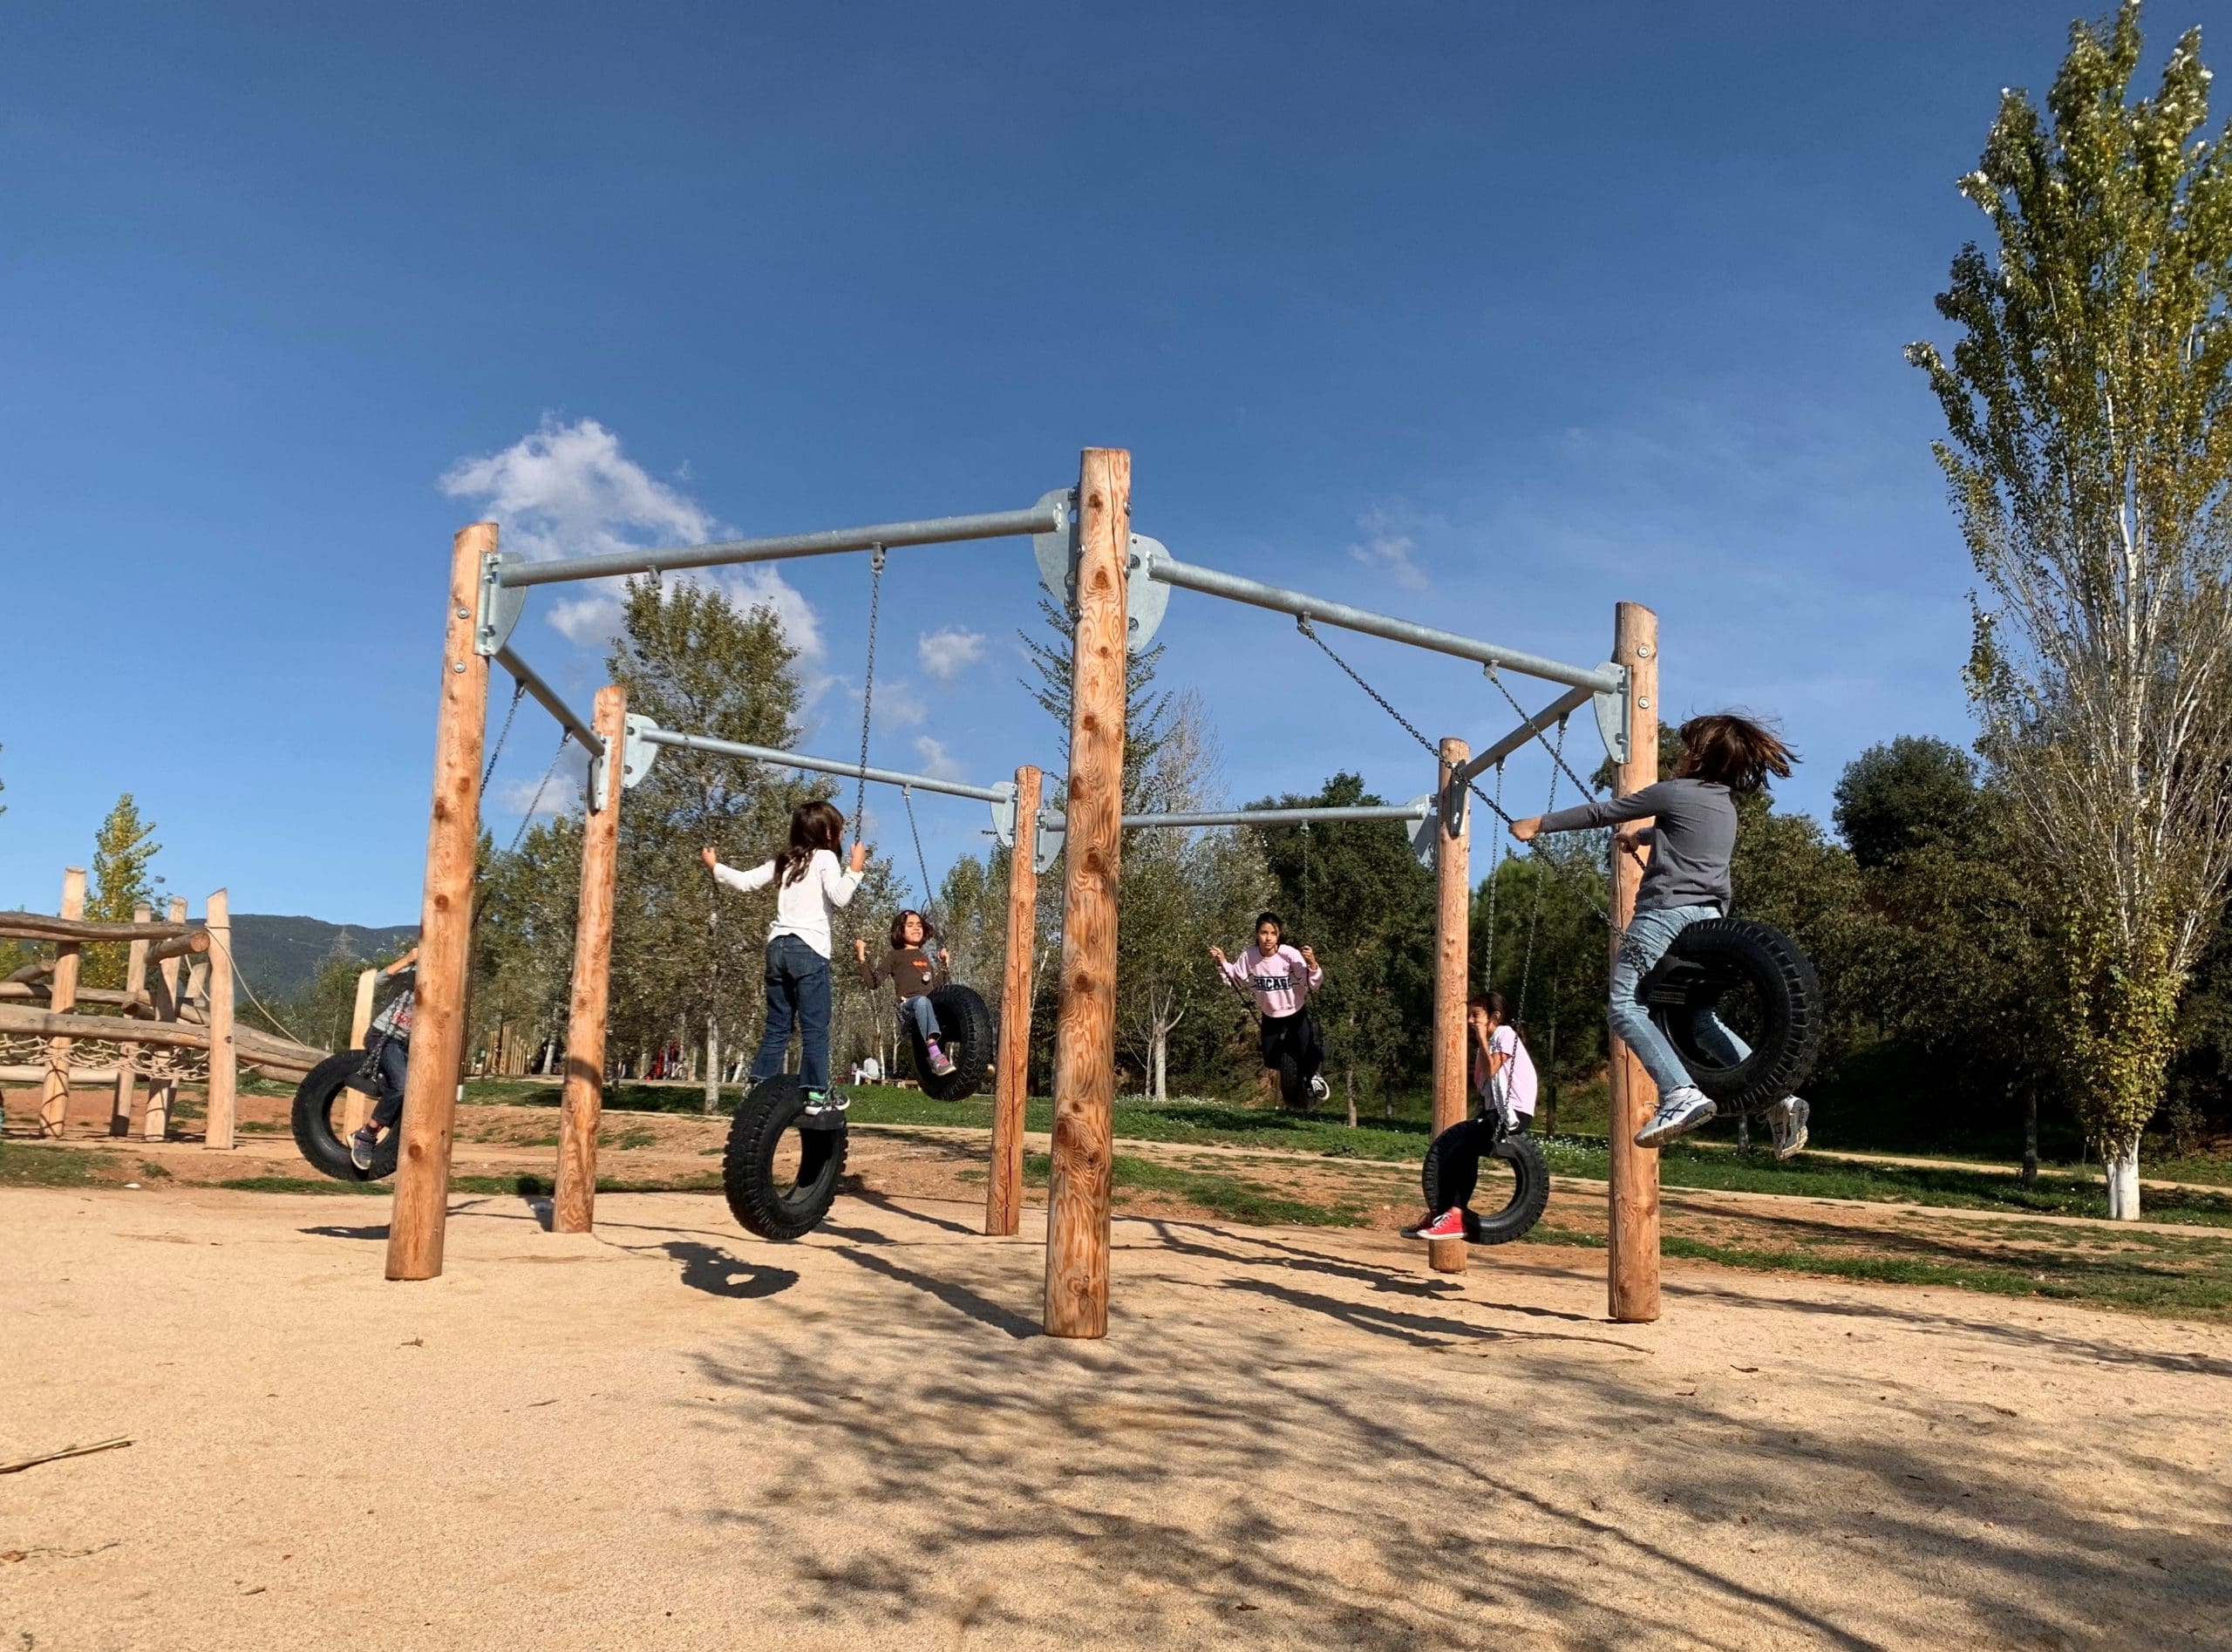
(224, 1058)
(1004, 1185)
(62, 996)
(1085, 1052)
(1452, 917)
(162, 1092)
(355, 1105)
(135, 981)
(1631, 1256)
(422, 1182)
(574, 1209)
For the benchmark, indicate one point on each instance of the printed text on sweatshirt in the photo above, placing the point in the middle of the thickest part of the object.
(1282, 983)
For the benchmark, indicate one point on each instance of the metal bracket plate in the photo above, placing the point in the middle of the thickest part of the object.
(1423, 830)
(1051, 830)
(637, 753)
(1003, 815)
(1145, 598)
(500, 605)
(1611, 706)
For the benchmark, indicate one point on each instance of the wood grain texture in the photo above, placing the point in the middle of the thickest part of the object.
(1011, 1080)
(1631, 1254)
(135, 981)
(574, 1206)
(224, 1093)
(163, 989)
(422, 1183)
(54, 1092)
(36, 926)
(1085, 1054)
(1453, 921)
(194, 942)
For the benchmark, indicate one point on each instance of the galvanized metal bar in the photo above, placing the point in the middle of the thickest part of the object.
(1213, 582)
(937, 530)
(820, 765)
(568, 719)
(1558, 709)
(1332, 813)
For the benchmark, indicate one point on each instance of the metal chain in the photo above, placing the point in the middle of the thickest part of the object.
(519, 693)
(527, 819)
(867, 691)
(906, 796)
(1535, 911)
(1495, 877)
(1556, 751)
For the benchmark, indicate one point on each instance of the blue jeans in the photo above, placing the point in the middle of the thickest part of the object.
(922, 1012)
(1648, 935)
(395, 1065)
(798, 990)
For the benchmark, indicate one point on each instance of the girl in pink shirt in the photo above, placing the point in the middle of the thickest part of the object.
(1283, 977)
(1503, 1078)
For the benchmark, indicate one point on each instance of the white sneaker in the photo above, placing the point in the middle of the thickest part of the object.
(1679, 1113)
(1319, 1090)
(1786, 1124)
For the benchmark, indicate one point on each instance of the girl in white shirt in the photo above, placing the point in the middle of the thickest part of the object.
(809, 887)
(1504, 1078)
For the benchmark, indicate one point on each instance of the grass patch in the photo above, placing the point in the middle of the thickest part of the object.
(154, 1170)
(35, 1165)
(302, 1185)
(636, 1136)
(1234, 1198)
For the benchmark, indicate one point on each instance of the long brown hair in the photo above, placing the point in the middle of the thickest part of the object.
(813, 826)
(899, 929)
(1732, 750)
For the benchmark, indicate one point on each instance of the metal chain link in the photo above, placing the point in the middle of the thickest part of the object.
(519, 693)
(1535, 911)
(1556, 751)
(867, 691)
(906, 796)
(527, 819)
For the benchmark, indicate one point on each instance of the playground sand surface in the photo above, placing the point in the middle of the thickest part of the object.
(671, 1434)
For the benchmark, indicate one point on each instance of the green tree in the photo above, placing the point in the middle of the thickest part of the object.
(1895, 797)
(1146, 712)
(2089, 460)
(124, 852)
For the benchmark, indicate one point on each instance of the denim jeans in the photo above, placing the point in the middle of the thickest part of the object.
(395, 1060)
(919, 1010)
(798, 990)
(1648, 935)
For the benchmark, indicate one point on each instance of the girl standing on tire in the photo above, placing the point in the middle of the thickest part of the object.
(1503, 1078)
(1282, 978)
(810, 886)
(1686, 881)
(912, 976)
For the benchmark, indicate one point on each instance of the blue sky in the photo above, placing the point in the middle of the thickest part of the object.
(1485, 315)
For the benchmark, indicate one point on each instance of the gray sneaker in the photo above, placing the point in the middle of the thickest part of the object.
(1680, 1111)
(360, 1148)
(1786, 1124)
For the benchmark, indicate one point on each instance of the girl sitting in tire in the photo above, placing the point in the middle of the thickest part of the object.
(809, 887)
(912, 976)
(1684, 882)
(1504, 1080)
(390, 1038)
(1283, 978)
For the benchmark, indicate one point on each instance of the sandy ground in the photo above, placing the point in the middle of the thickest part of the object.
(670, 1434)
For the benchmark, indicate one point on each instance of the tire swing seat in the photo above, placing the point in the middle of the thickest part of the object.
(965, 1034)
(1708, 962)
(1485, 1139)
(317, 1130)
(760, 1196)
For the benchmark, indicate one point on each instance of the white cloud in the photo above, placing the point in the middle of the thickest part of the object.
(935, 762)
(563, 790)
(945, 654)
(898, 700)
(1387, 552)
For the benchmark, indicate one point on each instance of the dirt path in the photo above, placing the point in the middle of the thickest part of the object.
(670, 1435)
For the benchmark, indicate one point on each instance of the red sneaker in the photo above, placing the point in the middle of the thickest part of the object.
(1449, 1225)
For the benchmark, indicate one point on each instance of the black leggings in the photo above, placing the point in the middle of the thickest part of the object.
(1297, 1035)
(1460, 1149)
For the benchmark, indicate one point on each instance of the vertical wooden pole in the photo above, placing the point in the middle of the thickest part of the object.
(574, 1209)
(422, 1183)
(1085, 1051)
(61, 997)
(1631, 1277)
(360, 1014)
(1452, 917)
(135, 981)
(1004, 1185)
(224, 1058)
(163, 1092)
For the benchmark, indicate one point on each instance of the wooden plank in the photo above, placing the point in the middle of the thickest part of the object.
(54, 1093)
(1085, 1057)
(63, 1027)
(135, 978)
(195, 941)
(81, 1077)
(573, 1208)
(422, 1183)
(36, 926)
(1011, 1081)
(224, 1059)
(163, 989)
(360, 1018)
(1451, 932)
(1631, 1250)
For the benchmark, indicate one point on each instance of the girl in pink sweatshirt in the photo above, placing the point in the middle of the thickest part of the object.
(1283, 977)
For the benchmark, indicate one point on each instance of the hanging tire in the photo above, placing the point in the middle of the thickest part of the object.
(770, 1203)
(1294, 1089)
(318, 1126)
(1785, 1017)
(1530, 1178)
(965, 1034)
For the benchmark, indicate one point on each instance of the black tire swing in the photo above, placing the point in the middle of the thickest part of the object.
(1460, 1150)
(965, 1033)
(319, 1135)
(1783, 1017)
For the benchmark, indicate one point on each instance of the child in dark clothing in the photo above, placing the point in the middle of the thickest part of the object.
(912, 976)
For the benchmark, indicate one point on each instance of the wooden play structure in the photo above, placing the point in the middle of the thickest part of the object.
(171, 1022)
(1116, 584)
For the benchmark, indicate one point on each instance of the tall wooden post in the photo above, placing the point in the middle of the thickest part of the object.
(61, 997)
(1085, 1051)
(1631, 1278)
(1453, 919)
(574, 1209)
(163, 1092)
(224, 1058)
(422, 1183)
(1003, 1183)
(360, 1013)
(135, 981)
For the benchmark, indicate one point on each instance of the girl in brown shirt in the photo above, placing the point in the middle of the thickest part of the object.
(912, 976)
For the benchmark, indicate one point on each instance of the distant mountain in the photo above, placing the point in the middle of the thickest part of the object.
(280, 957)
